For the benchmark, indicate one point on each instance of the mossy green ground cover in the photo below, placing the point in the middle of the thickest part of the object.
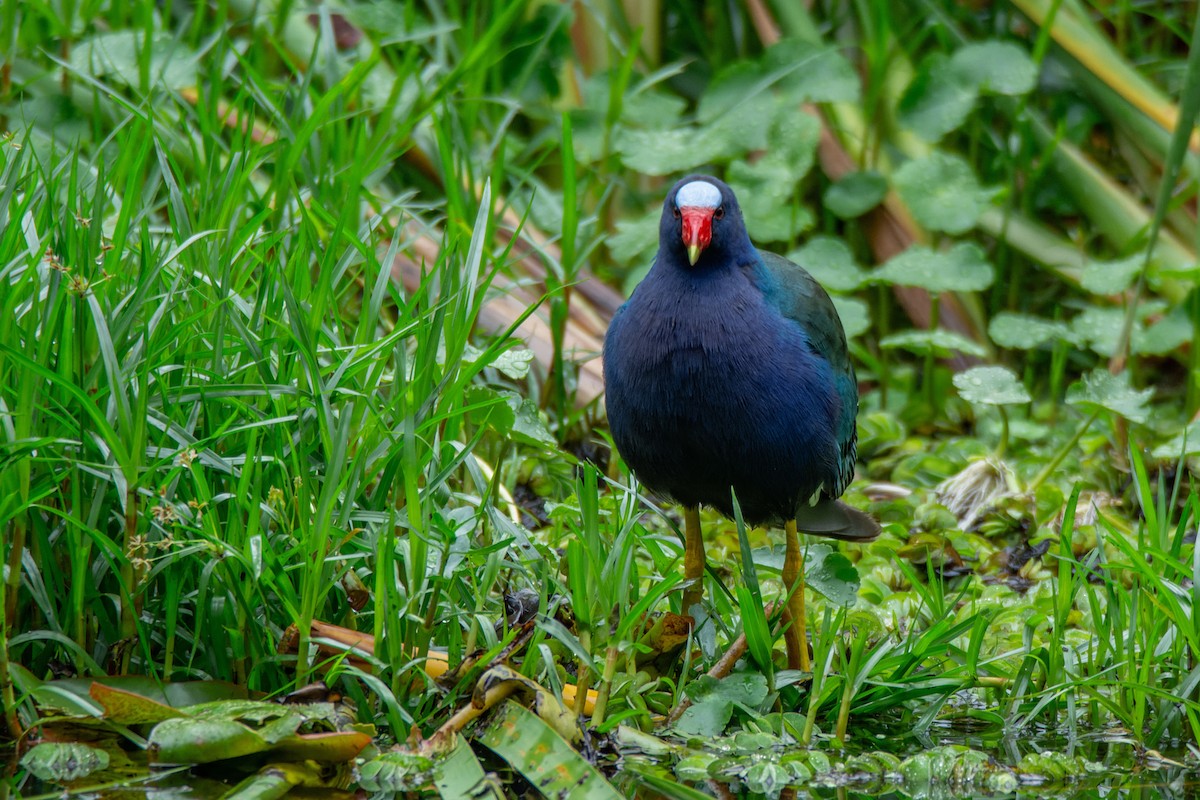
(268, 284)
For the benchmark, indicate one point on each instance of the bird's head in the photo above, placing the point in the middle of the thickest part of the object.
(701, 214)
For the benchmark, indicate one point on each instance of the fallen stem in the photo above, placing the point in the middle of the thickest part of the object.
(721, 669)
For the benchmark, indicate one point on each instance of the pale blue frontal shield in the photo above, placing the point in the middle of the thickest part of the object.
(698, 194)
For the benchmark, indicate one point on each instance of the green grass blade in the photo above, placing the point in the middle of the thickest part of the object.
(1183, 127)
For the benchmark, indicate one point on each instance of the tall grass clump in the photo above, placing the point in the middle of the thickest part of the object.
(240, 387)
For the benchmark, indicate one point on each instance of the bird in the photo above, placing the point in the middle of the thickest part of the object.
(727, 372)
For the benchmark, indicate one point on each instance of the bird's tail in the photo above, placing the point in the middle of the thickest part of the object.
(836, 520)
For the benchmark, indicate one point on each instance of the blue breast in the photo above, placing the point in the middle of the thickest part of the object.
(709, 386)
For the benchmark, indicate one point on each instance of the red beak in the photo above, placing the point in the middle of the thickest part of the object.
(697, 230)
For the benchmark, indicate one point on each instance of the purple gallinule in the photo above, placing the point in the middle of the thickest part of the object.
(727, 369)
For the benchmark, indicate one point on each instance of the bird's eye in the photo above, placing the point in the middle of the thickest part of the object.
(720, 212)
(676, 213)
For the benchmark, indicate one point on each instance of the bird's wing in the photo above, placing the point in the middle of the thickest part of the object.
(799, 297)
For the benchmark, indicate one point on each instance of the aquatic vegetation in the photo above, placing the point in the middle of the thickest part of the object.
(299, 311)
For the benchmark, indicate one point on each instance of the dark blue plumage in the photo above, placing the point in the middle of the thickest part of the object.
(733, 371)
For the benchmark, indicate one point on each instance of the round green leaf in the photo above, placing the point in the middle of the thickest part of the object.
(510, 414)
(942, 192)
(1187, 443)
(117, 55)
(993, 386)
(747, 688)
(771, 214)
(831, 574)
(793, 147)
(812, 73)
(513, 363)
(1100, 388)
(663, 152)
(792, 71)
(587, 135)
(1025, 332)
(962, 268)
(636, 239)
(201, 741)
(938, 100)
(684, 148)
(766, 186)
(1099, 328)
(648, 108)
(1111, 277)
(930, 766)
(939, 342)
(707, 718)
(528, 426)
(996, 67)
(745, 128)
(830, 261)
(855, 194)
(692, 767)
(731, 86)
(1166, 335)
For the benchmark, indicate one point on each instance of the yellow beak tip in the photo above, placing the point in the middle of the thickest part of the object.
(693, 254)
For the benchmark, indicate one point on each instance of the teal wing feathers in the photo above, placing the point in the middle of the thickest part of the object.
(799, 297)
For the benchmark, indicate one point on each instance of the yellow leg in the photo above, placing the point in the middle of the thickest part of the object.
(796, 635)
(693, 559)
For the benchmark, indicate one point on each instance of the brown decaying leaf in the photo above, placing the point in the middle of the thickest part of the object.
(334, 641)
(130, 708)
(345, 35)
(357, 593)
(668, 632)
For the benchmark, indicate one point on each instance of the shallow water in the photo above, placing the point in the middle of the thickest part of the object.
(1125, 770)
(1129, 772)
